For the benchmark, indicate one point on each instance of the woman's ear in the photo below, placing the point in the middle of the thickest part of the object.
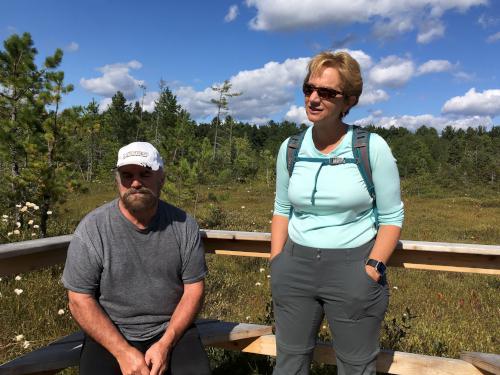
(352, 100)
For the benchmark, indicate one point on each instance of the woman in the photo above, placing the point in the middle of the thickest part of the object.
(330, 241)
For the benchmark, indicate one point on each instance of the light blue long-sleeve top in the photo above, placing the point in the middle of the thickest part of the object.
(342, 215)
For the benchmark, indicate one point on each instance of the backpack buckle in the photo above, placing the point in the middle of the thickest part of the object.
(336, 161)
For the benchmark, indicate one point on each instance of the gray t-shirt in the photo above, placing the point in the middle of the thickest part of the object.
(137, 276)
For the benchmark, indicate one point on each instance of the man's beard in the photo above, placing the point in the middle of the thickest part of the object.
(138, 200)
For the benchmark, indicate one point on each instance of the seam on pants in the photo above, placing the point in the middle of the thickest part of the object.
(295, 350)
(357, 361)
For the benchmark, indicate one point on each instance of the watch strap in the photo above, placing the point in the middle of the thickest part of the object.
(379, 266)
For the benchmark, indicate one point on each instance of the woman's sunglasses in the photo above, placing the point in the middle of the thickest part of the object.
(323, 92)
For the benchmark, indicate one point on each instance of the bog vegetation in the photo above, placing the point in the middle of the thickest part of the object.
(56, 166)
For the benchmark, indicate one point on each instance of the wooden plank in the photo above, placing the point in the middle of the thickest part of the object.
(30, 255)
(387, 362)
(446, 261)
(60, 354)
(485, 361)
(212, 333)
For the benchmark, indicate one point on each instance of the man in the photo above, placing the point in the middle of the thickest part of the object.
(135, 277)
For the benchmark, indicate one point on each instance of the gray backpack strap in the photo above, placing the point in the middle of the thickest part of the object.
(292, 150)
(361, 152)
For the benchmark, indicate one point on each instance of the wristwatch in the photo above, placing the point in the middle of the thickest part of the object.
(379, 266)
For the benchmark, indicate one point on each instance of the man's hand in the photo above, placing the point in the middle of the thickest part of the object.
(132, 362)
(157, 358)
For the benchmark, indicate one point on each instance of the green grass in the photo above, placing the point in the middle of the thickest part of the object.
(434, 313)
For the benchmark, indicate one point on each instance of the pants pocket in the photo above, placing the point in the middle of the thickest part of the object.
(365, 296)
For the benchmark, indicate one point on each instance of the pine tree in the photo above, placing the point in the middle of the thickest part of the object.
(224, 92)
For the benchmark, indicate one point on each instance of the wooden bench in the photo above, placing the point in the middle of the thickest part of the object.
(65, 352)
(258, 339)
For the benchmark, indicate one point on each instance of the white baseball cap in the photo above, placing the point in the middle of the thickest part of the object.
(140, 153)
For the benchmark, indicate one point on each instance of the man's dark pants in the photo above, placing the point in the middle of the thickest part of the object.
(188, 357)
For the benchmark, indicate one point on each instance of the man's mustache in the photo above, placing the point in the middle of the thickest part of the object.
(142, 190)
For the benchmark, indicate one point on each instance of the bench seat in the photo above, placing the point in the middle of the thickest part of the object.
(65, 352)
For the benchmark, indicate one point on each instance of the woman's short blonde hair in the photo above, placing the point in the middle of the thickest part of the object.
(347, 66)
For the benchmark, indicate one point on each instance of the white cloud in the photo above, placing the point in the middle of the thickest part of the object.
(493, 38)
(372, 95)
(149, 101)
(429, 31)
(464, 77)
(414, 122)
(392, 71)
(389, 17)
(115, 77)
(473, 103)
(487, 21)
(266, 91)
(435, 66)
(297, 115)
(104, 104)
(397, 25)
(232, 13)
(364, 60)
(72, 47)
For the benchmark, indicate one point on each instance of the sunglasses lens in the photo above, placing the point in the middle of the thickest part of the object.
(307, 89)
(323, 92)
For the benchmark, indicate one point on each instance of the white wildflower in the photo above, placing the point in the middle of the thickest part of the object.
(270, 221)
(242, 206)
(18, 205)
(18, 277)
(18, 291)
(5, 216)
(4, 220)
(19, 337)
(18, 224)
(28, 204)
(248, 317)
(258, 283)
(324, 327)
(16, 232)
(262, 269)
(268, 276)
(395, 287)
(30, 222)
(49, 212)
(60, 312)
(35, 207)
(9, 234)
(36, 226)
(0, 279)
(24, 209)
(1, 295)
(33, 234)
(26, 344)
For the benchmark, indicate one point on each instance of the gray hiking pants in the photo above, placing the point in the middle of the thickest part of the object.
(307, 283)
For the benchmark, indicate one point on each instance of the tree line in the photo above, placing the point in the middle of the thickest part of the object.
(47, 152)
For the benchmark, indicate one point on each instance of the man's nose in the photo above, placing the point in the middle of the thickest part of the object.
(136, 183)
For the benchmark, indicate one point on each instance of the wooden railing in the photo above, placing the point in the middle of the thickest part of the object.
(25, 256)
(455, 257)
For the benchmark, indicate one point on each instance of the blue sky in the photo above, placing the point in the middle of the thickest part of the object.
(424, 62)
